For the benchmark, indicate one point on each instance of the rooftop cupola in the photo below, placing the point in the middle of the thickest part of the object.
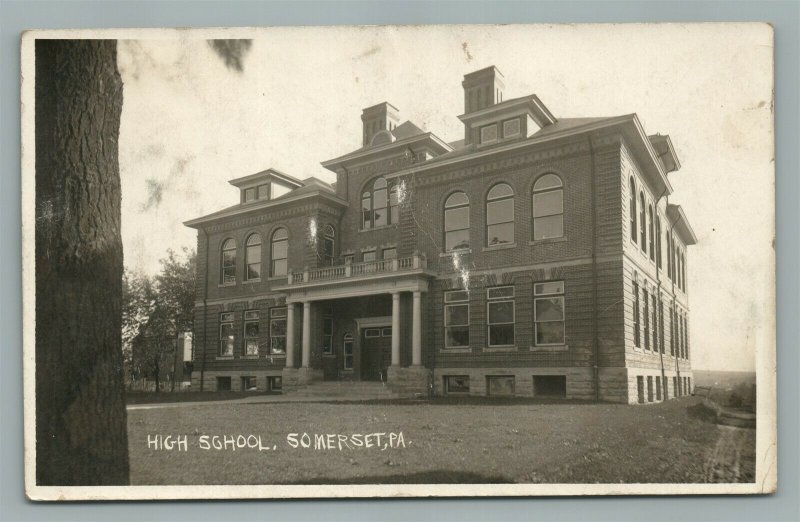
(377, 119)
(482, 89)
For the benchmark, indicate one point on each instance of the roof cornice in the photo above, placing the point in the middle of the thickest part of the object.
(370, 151)
(243, 209)
(628, 119)
(680, 222)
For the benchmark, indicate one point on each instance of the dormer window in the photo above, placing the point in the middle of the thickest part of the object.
(511, 128)
(489, 133)
(260, 192)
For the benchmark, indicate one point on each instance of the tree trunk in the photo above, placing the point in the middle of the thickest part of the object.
(81, 424)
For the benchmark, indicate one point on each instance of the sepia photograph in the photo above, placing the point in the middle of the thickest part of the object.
(399, 261)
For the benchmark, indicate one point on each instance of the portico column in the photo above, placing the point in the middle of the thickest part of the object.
(416, 331)
(290, 335)
(306, 334)
(395, 329)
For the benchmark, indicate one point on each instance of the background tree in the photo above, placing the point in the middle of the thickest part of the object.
(81, 424)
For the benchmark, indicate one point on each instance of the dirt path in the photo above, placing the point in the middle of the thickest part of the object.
(732, 459)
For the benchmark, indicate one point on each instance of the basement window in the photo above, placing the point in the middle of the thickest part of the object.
(500, 385)
(249, 384)
(456, 384)
(223, 384)
(550, 386)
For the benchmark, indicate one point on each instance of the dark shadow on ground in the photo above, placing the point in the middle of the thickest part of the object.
(423, 477)
(195, 396)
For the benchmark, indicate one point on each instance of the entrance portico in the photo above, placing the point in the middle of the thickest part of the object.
(404, 280)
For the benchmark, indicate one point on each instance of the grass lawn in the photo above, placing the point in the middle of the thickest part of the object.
(474, 441)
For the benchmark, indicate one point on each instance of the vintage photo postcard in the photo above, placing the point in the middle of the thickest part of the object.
(399, 261)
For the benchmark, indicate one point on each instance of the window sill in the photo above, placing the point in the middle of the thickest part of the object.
(250, 357)
(553, 348)
(561, 239)
(224, 285)
(251, 281)
(224, 358)
(489, 349)
(503, 246)
(455, 350)
(382, 227)
(278, 278)
(276, 356)
(456, 252)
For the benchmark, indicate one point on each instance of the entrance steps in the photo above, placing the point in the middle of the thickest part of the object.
(345, 390)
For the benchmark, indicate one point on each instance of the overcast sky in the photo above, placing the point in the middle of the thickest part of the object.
(189, 124)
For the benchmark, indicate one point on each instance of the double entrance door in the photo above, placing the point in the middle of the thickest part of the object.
(376, 353)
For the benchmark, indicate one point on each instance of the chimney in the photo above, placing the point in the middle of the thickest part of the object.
(482, 89)
(383, 116)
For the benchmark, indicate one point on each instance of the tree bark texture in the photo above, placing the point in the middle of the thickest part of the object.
(81, 424)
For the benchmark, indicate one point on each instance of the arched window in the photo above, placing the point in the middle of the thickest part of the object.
(228, 262)
(669, 254)
(548, 207)
(500, 215)
(683, 268)
(280, 252)
(252, 257)
(379, 205)
(456, 222)
(673, 255)
(642, 224)
(652, 224)
(632, 210)
(658, 241)
(328, 244)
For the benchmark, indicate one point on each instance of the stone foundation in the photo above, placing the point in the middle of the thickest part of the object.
(409, 381)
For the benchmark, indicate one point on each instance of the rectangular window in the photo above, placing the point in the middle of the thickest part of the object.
(390, 253)
(548, 313)
(500, 309)
(251, 327)
(656, 346)
(661, 325)
(249, 384)
(640, 389)
(347, 352)
(675, 391)
(456, 383)
(550, 386)
(274, 383)
(263, 191)
(511, 128)
(456, 319)
(499, 385)
(658, 388)
(372, 333)
(646, 319)
(277, 331)
(489, 133)
(368, 256)
(649, 388)
(226, 336)
(348, 259)
(636, 325)
(223, 384)
(327, 336)
(249, 195)
(386, 331)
